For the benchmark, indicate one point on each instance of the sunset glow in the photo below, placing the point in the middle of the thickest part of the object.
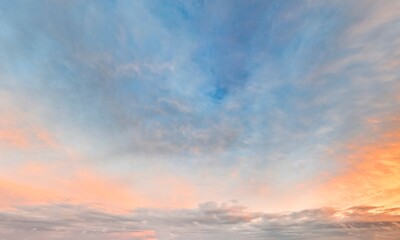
(193, 120)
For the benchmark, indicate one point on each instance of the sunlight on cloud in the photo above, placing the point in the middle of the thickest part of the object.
(212, 220)
(144, 119)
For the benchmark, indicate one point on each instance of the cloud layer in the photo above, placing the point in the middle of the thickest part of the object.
(208, 220)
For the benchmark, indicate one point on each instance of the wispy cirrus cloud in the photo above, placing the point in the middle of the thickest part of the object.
(168, 104)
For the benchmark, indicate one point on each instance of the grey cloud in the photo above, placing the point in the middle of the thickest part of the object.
(208, 220)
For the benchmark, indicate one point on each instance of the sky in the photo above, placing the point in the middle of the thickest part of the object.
(172, 120)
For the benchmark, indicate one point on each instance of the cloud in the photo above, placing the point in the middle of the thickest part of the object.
(208, 220)
(269, 90)
(371, 167)
(37, 184)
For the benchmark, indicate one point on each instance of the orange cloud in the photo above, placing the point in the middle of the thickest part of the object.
(34, 169)
(104, 191)
(21, 134)
(15, 138)
(69, 182)
(35, 183)
(144, 234)
(136, 235)
(13, 193)
(372, 176)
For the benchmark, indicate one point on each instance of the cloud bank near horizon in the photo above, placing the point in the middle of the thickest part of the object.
(208, 220)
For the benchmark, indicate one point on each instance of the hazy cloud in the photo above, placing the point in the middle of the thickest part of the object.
(208, 220)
